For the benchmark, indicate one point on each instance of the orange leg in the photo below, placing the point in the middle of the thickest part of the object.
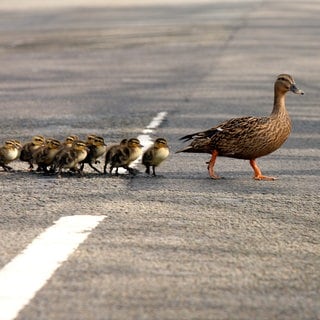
(257, 172)
(211, 165)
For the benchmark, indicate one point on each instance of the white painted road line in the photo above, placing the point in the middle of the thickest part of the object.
(28, 272)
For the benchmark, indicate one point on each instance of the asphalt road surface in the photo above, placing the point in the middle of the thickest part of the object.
(180, 245)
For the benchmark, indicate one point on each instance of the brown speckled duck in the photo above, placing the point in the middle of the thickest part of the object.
(248, 137)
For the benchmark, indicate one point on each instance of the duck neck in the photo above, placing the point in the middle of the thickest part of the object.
(279, 105)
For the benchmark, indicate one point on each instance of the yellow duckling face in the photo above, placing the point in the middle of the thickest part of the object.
(79, 145)
(98, 141)
(161, 143)
(91, 138)
(54, 144)
(38, 140)
(73, 137)
(69, 140)
(48, 141)
(134, 143)
(285, 83)
(17, 143)
(10, 144)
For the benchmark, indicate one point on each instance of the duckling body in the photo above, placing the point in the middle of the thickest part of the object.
(71, 157)
(45, 155)
(29, 148)
(125, 155)
(96, 149)
(155, 155)
(8, 153)
(111, 151)
(248, 137)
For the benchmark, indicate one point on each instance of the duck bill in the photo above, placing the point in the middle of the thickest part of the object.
(296, 90)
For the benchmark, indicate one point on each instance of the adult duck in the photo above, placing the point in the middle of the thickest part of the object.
(248, 137)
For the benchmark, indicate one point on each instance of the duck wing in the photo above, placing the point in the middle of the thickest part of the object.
(227, 136)
(228, 125)
(120, 157)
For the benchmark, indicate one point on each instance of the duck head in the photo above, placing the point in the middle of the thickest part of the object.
(285, 83)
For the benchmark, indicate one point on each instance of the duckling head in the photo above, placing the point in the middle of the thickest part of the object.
(48, 141)
(17, 143)
(79, 145)
(10, 144)
(123, 142)
(38, 140)
(54, 144)
(69, 140)
(91, 139)
(285, 83)
(161, 143)
(74, 137)
(98, 141)
(134, 143)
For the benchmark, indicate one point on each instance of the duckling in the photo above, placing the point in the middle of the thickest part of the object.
(71, 157)
(29, 148)
(65, 145)
(125, 155)
(154, 155)
(97, 149)
(111, 151)
(248, 137)
(8, 153)
(100, 148)
(45, 155)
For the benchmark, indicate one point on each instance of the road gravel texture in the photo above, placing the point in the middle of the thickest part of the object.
(180, 245)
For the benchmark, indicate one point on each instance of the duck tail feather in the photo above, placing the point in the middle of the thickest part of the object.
(188, 137)
(186, 149)
(203, 134)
